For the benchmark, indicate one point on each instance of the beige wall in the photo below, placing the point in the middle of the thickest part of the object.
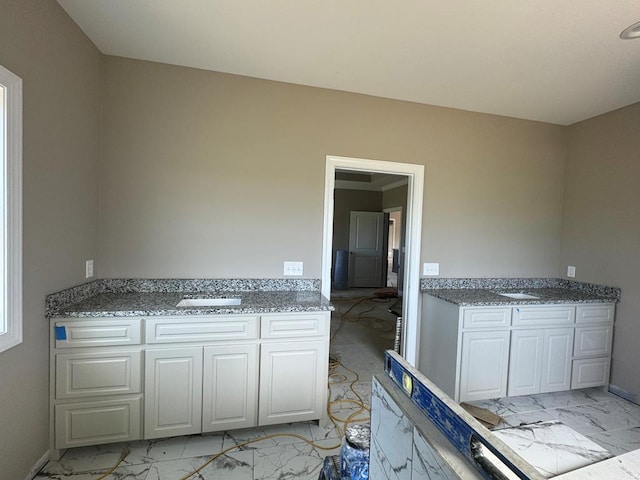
(213, 175)
(601, 228)
(60, 69)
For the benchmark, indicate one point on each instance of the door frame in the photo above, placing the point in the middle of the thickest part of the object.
(415, 192)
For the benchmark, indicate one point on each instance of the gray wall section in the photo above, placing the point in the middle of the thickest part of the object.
(601, 224)
(61, 72)
(208, 174)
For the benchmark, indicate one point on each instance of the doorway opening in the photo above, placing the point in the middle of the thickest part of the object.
(408, 251)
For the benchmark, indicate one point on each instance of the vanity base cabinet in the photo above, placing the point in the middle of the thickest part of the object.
(477, 353)
(185, 375)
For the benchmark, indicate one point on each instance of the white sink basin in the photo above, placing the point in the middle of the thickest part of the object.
(519, 296)
(208, 302)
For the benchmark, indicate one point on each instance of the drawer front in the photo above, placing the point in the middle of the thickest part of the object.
(92, 374)
(486, 317)
(93, 423)
(593, 341)
(201, 329)
(590, 372)
(595, 313)
(543, 316)
(97, 332)
(295, 325)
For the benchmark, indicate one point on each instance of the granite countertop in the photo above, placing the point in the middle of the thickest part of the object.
(123, 298)
(485, 292)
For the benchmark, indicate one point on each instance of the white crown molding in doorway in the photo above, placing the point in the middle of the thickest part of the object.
(415, 189)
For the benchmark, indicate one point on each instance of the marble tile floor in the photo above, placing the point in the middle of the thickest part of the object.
(606, 419)
(361, 330)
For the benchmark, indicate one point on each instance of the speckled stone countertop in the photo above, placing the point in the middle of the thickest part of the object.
(484, 291)
(121, 298)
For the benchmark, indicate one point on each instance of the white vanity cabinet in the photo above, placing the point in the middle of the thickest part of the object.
(96, 381)
(122, 378)
(476, 353)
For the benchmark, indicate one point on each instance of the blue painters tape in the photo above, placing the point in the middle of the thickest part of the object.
(61, 333)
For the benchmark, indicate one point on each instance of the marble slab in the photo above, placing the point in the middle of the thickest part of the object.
(392, 438)
(552, 447)
(624, 467)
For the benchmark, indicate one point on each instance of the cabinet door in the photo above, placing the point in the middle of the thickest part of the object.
(556, 359)
(173, 392)
(484, 365)
(230, 392)
(525, 362)
(293, 381)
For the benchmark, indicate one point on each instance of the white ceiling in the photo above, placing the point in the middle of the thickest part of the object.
(547, 60)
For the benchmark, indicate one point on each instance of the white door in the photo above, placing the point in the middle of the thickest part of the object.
(230, 392)
(173, 392)
(367, 249)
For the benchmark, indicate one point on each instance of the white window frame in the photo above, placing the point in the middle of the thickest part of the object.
(11, 212)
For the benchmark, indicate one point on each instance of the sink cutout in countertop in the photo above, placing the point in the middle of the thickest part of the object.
(209, 302)
(519, 296)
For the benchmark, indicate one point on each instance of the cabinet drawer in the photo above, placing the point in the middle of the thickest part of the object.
(593, 341)
(590, 372)
(92, 423)
(541, 316)
(92, 374)
(97, 332)
(486, 317)
(294, 325)
(201, 329)
(595, 313)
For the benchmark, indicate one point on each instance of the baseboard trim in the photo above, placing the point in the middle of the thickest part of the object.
(38, 466)
(632, 397)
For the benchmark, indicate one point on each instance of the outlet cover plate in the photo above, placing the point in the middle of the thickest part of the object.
(571, 272)
(88, 269)
(293, 268)
(431, 269)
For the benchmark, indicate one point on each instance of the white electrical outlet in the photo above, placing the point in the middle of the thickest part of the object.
(571, 272)
(431, 269)
(293, 268)
(88, 269)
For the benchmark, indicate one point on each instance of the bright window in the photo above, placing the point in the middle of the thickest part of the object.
(10, 209)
